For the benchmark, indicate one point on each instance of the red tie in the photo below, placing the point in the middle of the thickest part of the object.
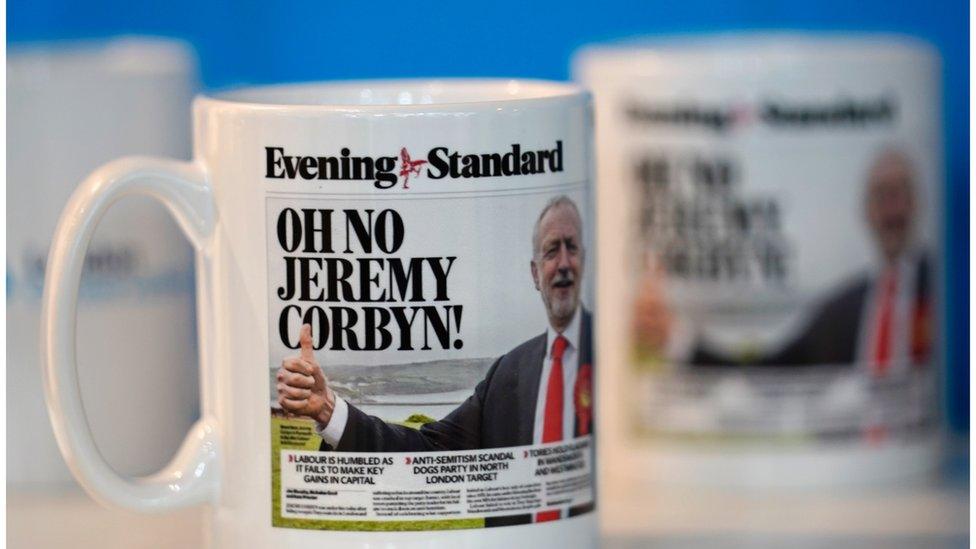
(552, 421)
(882, 342)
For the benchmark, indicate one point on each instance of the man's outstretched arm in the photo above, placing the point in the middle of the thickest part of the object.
(460, 430)
(303, 390)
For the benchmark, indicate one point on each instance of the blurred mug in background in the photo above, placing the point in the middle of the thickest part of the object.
(72, 106)
(768, 217)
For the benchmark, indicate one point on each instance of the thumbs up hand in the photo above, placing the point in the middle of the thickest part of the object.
(302, 388)
(653, 320)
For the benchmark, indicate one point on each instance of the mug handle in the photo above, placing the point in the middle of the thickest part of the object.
(192, 476)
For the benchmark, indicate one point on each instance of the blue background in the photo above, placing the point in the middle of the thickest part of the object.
(271, 42)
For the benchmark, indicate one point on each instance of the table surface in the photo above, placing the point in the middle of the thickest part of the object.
(933, 514)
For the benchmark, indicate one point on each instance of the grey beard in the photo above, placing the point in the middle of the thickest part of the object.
(561, 309)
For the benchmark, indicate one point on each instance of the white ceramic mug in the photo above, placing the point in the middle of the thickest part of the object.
(774, 247)
(434, 235)
(73, 106)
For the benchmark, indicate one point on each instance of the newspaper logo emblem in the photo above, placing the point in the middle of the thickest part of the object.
(408, 166)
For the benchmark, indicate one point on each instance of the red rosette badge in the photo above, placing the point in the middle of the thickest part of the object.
(583, 398)
(921, 345)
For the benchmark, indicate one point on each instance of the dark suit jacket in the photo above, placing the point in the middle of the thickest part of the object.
(500, 413)
(830, 337)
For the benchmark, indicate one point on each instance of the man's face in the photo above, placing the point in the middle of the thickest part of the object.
(558, 265)
(890, 204)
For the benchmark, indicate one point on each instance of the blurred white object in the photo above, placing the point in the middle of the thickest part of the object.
(747, 217)
(71, 107)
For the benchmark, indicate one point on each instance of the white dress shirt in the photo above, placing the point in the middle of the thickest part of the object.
(902, 319)
(332, 432)
(570, 367)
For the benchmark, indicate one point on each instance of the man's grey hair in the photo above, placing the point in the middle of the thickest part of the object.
(561, 200)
